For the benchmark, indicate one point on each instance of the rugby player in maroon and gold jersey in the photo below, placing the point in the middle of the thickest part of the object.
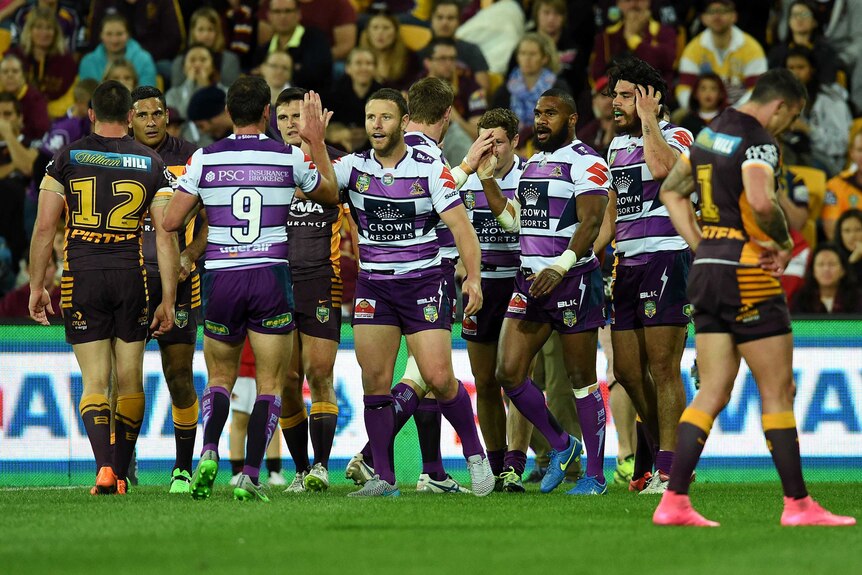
(106, 182)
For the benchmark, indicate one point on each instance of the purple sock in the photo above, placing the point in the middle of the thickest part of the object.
(215, 407)
(517, 460)
(459, 412)
(664, 461)
(496, 459)
(591, 412)
(262, 423)
(530, 402)
(380, 426)
(406, 402)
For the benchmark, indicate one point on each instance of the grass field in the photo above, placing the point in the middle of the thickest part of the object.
(149, 531)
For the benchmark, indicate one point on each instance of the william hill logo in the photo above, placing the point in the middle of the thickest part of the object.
(110, 160)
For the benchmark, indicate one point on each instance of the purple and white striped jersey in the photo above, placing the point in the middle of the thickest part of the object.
(547, 192)
(501, 250)
(246, 184)
(420, 141)
(396, 210)
(643, 224)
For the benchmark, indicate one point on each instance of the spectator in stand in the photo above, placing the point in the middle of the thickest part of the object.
(805, 32)
(16, 170)
(68, 18)
(156, 25)
(205, 28)
(497, 30)
(312, 59)
(792, 195)
(200, 72)
(638, 34)
(47, 64)
(599, 131)
(844, 191)
(535, 73)
(15, 303)
(34, 107)
(277, 71)
(724, 49)
(573, 37)
(123, 72)
(347, 100)
(336, 19)
(849, 240)
(829, 287)
(470, 101)
(115, 44)
(445, 19)
(841, 23)
(207, 117)
(241, 32)
(397, 66)
(824, 121)
(707, 101)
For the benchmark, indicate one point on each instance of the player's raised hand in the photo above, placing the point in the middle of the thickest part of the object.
(647, 102)
(480, 150)
(313, 119)
(163, 320)
(40, 306)
(472, 288)
(487, 167)
(545, 281)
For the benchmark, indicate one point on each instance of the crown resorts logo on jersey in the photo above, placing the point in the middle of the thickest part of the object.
(535, 211)
(629, 185)
(111, 160)
(362, 183)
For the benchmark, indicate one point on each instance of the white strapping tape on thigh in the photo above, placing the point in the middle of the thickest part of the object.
(412, 373)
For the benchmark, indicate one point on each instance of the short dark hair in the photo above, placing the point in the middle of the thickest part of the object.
(437, 3)
(16, 103)
(147, 92)
(428, 100)
(797, 51)
(500, 118)
(778, 83)
(391, 95)
(439, 42)
(247, 98)
(561, 95)
(112, 102)
(634, 70)
(289, 95)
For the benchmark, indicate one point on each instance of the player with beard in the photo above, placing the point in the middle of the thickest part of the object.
(739, 306)
(397, 194)
(650, 309)
(177, 347)
(559, 207)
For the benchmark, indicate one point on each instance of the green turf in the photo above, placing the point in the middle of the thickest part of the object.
(148, 531)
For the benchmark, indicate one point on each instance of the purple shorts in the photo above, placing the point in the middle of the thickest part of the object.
(575, 306)
(448, 267)
(259, 299)
(414, 304)
(653, 293)
(485, 326)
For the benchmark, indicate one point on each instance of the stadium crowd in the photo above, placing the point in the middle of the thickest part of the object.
(571, 123)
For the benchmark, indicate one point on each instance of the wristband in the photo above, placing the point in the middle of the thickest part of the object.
(466, 167)
(566, 260)
(507, 221)
(460, 177)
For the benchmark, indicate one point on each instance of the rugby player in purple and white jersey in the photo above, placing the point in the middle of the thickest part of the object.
(247, 182)
(650, 308)
(559, 209)
(397, 195)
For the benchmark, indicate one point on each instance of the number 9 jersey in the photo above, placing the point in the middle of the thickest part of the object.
(108, 184)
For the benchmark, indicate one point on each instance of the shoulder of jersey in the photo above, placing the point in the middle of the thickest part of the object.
(582, 149)
(423, 157)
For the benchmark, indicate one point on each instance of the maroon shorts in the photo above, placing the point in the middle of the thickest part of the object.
(715, 296)
(259, 299)
(576, 305)
(104, 304)
(653, 293)
(485, 326)
(318, 306)
(414, 304)
(185, 328)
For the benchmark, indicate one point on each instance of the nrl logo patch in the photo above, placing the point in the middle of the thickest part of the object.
(362, 183)
(181, 319)
(388, 179)
(687, 309)
(470, 200)
(569, 318)
(430, 312)
(322, 314)
(649, 308)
